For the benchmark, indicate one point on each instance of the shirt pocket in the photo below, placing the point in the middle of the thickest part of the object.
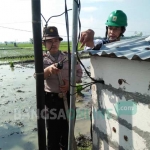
(66, 66)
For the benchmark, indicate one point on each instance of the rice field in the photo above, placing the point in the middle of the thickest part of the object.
(15, 53)
(9, 51)
(21, 52)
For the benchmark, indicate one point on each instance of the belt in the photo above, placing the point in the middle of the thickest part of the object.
(60, 95)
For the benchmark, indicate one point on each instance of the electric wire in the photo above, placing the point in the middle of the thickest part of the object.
(46, 23)
(83, 88)
(15, 29)
(87, 72)
(53, 17)
(67, 29)
(57, 23)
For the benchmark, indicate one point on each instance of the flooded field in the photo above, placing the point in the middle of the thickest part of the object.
(18, 124)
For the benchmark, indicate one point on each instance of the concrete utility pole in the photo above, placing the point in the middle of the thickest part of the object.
(73, 76)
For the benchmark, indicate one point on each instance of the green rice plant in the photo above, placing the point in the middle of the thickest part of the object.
(11, 64)
(79, 88)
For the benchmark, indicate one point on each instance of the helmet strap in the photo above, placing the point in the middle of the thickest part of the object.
(123, 29)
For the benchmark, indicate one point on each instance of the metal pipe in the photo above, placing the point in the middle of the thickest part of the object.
(38, 54)
(73, 76)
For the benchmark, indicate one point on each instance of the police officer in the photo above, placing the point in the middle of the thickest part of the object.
(115, 27)
(57, 125)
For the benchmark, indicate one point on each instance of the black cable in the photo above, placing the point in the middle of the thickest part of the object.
(97, 81)
(53, 16)
(87, 72)
(83, 88)
(83, 84)
(66, 14)
(69, 53)
(58, 15)
(15, 29)
(43, 17)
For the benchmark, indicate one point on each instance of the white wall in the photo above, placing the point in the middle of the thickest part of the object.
(132, 126)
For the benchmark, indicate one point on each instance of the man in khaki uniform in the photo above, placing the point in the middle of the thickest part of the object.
(57, 125)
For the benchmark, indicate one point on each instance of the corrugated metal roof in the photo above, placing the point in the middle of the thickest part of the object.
(137, 48)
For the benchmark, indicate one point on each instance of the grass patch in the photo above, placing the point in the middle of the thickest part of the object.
(11, 64)
(82, 148)
(83, 142)
(14, 60)
(15, 53)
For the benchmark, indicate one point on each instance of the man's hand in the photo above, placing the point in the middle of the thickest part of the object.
(45, 55)
(87, 38)
(53, 69)
(64, 88)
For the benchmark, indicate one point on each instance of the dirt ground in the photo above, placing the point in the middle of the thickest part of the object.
(18, 124)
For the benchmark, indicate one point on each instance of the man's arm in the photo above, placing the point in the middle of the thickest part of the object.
(87, 38)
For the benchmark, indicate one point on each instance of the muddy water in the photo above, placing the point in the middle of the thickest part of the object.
(18, 124)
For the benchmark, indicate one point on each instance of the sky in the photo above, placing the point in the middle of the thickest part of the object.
(16, 17)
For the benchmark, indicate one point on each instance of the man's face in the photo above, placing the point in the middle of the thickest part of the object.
(114, 33)
(52, 45)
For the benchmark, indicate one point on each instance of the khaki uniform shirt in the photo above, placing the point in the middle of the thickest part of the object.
(52, 82)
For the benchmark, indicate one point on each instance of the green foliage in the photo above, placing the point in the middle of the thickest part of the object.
(64, 46)
(17, 59)
(83, 142)
(79, 88)
(83, 148)
(11, 64)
